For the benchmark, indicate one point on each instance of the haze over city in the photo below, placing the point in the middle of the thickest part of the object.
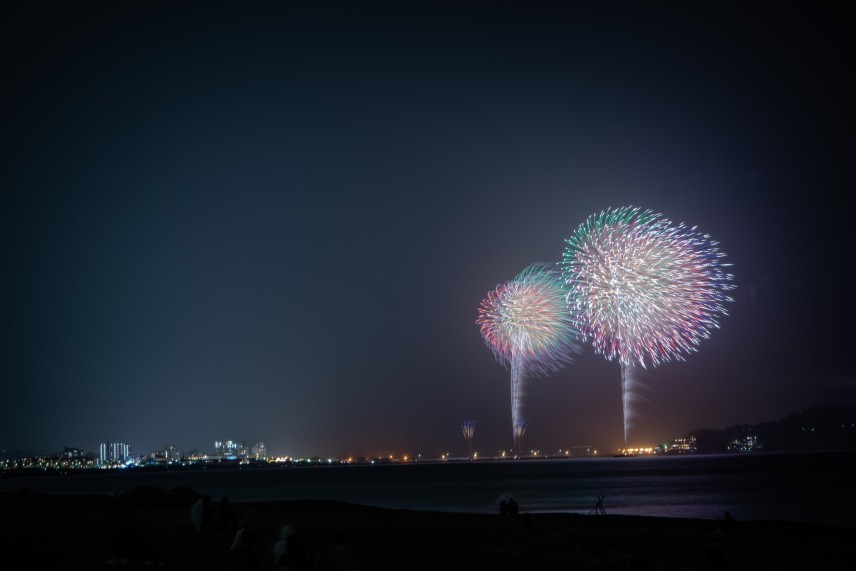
(277, 224)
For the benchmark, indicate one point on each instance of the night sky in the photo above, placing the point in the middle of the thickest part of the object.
(276, 223)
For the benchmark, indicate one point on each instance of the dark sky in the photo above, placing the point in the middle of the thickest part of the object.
(277, 222)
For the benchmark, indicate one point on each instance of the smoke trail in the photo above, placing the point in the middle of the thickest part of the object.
(518, 423)
(628, 397)
(519, 429)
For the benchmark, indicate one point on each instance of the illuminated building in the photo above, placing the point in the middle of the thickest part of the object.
(635, 451)
(258, 451)
(229, 449)
(683, 445)
(113, 452)
(747, 443)
(173, 454)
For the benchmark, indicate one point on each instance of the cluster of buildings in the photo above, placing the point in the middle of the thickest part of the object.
(230, 450)
(69, 459)
(683, 445)
(119, 455)
(746, 443)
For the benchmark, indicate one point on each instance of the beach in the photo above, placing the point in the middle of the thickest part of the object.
(150, 526)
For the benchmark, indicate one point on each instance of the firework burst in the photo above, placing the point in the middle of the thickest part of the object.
(527, 325)
(643, 290)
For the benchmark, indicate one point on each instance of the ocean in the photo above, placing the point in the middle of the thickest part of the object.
(805, 487)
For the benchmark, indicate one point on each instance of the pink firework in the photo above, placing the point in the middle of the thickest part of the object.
(527, 325)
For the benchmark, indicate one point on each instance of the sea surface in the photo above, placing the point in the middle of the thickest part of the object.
(806, 487)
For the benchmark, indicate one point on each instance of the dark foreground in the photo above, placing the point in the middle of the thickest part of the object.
(149, 527)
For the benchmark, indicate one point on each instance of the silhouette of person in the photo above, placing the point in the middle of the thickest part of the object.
(503, 508)
(730, 523)
(243, 555)
(226, 518)
(513, 508)
(297, 556)
(202, 514)
(280, 549)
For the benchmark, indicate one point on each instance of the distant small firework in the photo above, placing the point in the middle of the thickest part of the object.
(468, 428)
(643, 290)
(527, 325)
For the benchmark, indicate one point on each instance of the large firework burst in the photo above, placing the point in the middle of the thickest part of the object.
(527, 325)
(644, 290)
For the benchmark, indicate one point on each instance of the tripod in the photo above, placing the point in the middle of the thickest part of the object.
(598, 507)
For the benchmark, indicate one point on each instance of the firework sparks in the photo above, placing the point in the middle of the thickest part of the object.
(644, 290)
(468, 428)
(527, 325)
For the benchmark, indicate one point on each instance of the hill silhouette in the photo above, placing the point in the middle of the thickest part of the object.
(824, 427)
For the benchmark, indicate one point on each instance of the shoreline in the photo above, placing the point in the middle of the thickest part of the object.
(150, 526)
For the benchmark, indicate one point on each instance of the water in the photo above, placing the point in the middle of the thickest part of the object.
(812, 488)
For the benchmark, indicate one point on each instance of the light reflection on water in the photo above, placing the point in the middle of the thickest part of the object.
(813, 488)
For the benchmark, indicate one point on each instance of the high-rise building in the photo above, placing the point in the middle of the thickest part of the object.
(259, 452)
(173, 454)
(113, 452)
(227, 449)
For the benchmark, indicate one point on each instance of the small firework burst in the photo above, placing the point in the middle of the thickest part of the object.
(468, 428)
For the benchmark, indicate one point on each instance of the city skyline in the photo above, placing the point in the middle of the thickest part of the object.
(829, 415)
(277, 224)
(817, 429)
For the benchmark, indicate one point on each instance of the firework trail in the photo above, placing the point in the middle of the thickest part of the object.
(469, 428)
(527, 325)
(519, 428)
(645, 291)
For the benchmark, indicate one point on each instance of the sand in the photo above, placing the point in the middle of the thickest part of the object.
(151, 527)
